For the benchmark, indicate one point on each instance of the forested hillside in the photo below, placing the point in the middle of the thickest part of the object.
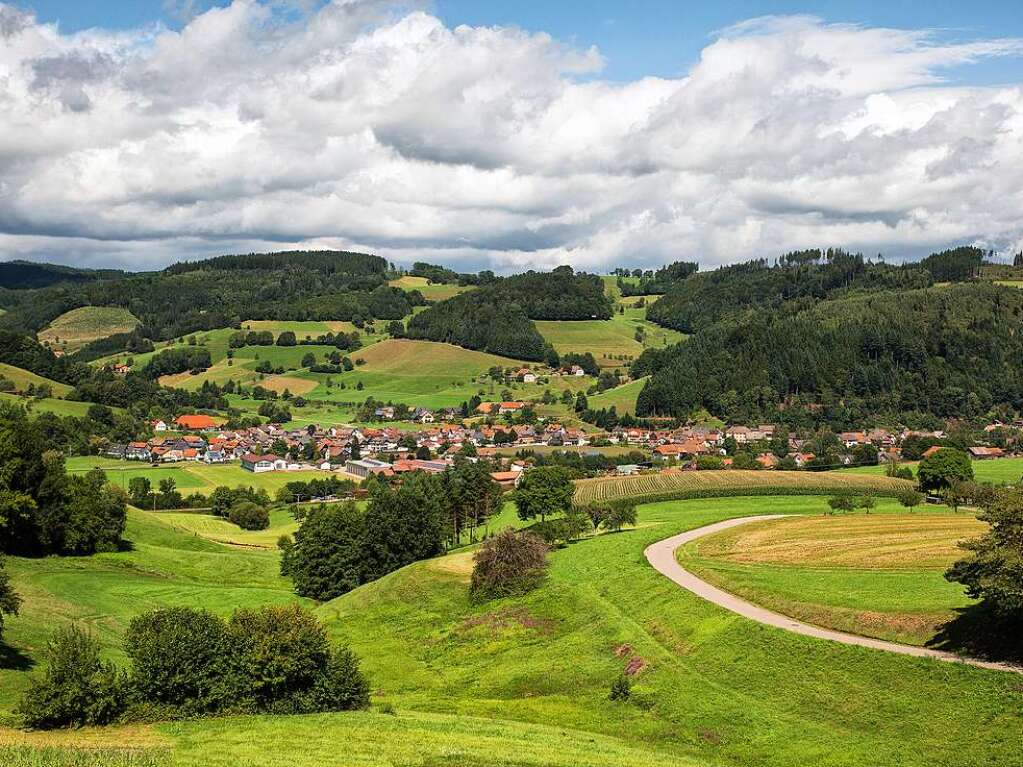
(498, 317)
(944, 351)
(811, 275)
(224, 291)
(19, 275)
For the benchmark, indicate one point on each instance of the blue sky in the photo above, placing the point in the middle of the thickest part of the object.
(647, 37)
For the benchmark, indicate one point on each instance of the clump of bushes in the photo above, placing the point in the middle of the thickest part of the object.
(249, 516)
(621, 688)
(508, 564)
(188, 662)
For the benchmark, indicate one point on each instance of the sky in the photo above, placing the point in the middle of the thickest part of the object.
(508, 135)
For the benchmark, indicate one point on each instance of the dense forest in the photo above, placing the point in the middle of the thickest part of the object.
(498, 317)
(810, 276)
(22, 275)
(953, 351)
(224, 291)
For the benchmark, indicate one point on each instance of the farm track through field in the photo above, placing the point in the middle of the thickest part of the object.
(661, 556)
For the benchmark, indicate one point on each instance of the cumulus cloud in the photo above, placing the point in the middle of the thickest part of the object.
(369, 125)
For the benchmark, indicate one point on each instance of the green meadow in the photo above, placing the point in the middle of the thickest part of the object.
(74, 329)
(612, 342)
(22, 378)
(621, 398)
(524, 681)
(997, 470)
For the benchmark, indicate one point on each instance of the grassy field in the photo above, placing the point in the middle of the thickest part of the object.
(996, 470)
(648, 486)
(612, 342)
(878, 575)
(622, 398)
(60, 407)
(22, 378)
(73, 330)
(219, 530)
(430, 292)
(524, 681)
(190, 476)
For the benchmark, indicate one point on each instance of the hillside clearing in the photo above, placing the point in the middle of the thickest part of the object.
(22, 379)
(74, 329)
(621, 398)
(612, 342)
(437, 292)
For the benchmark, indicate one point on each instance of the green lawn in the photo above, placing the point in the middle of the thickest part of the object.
(524, 681)
(997, 470)
(879, 575)
(60, 407)
(74, 329)
(190, 476)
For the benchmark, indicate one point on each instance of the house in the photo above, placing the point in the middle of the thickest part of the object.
(363, 468)
(768, 460)
(258, 464)
(932, 450)
(215, 455)
(120, 369)
(430, 467)
(158, 425)
(525, 375)
(577, 371)
(115, 450)
(505, 408)
(422, 415)
(195, 422)
(985, 453)
(385, 413)
(506, 479)
(627, 469)
(138, 451)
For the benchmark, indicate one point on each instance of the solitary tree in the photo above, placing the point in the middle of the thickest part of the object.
(542, 491)
(943, 469)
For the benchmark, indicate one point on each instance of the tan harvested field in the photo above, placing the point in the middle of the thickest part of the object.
(696, 483)
(74, 329)
(291, 383)
(873, 541)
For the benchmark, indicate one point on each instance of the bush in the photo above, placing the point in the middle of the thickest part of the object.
(249, 516)
(621, 688)
(282, 653)
(343, 687)
(508, 564)
(184, 658)
(77, 688)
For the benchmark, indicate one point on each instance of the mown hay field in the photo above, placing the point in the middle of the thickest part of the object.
(74, 329)
(694, 484)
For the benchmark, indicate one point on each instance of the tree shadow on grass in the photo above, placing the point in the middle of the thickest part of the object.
(979, 632)
(13, 659)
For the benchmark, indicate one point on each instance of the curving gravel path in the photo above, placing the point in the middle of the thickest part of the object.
(662, 556)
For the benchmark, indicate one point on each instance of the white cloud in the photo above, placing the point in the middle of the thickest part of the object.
(370, 126)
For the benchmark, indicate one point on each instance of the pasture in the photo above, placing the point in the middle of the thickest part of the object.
(996, 470)
(679, 484)
(612, 342)
(621, 398)
(22, 378)
(878, 575)
(431, 292)
(74, 329)
(61, 407)
(524, 681)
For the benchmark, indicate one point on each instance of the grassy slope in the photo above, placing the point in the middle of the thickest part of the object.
(22, 378)
(73, 330)
(608, 340)
(715, 686)
(534, 671)
(430, 292)
(163, 567)
(622, 398)
(877, 575)
(61, 407)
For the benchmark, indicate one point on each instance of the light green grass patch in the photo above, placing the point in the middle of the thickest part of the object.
(74, 329)
(612, 342)
(22, 378)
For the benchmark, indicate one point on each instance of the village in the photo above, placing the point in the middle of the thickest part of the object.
(387, 451)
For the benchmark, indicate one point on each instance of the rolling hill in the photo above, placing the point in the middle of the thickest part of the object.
(74, 329)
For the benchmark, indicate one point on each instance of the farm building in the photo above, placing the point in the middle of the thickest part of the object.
(258, 464)
(195, 422)
(363, 468)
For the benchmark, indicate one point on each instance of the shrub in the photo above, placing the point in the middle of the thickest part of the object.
(184, 658)
(910, 498)
(77, 688)
(282, 652)
(508, 564)
(249, 516)
(342, 687)
(621, 688)
(841, 503)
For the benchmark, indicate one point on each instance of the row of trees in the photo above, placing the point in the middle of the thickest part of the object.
(187, 662)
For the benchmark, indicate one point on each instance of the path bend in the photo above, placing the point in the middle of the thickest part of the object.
(661, 556)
